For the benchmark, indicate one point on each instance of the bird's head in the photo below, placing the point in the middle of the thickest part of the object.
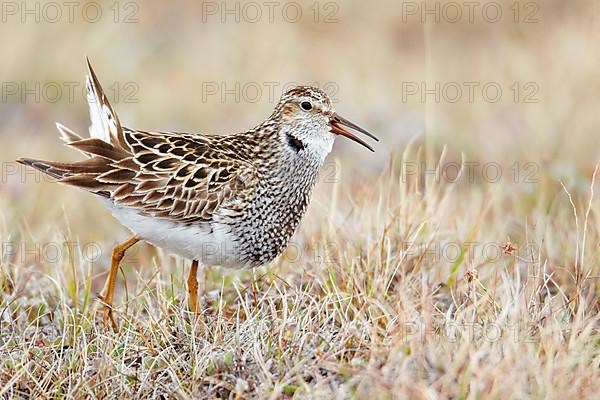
(309, 123)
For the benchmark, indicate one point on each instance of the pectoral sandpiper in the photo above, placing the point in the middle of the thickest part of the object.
(231, 201)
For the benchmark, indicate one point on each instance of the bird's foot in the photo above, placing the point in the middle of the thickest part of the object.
(108, 318)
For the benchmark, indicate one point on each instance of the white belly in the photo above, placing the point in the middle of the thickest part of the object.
(212, 245)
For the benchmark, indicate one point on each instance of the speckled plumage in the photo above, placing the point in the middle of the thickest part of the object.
(253, 186)
(232, 200)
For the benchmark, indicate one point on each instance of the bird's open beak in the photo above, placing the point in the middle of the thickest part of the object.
(337, 122)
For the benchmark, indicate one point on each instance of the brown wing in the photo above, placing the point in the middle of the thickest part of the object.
(179, 176)
(182, 177)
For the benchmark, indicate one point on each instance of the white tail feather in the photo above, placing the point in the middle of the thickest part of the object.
(99, 115)
(105, 124)
(67, 135)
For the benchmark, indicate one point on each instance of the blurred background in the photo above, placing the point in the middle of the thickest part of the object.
(508, 88)
(500, 82)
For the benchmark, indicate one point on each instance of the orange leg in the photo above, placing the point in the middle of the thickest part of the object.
(109, 287)
(192, 283)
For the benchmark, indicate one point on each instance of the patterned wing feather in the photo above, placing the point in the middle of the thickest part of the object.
(183, 177)
(177, 176)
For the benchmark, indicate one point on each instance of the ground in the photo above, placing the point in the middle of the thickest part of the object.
(408, 292)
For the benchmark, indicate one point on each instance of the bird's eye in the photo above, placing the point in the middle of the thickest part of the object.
(306, 105)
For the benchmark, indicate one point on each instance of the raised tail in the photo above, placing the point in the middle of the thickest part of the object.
(105, 147)
(105, 124)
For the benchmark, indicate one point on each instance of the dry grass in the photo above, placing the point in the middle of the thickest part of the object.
(367, 315)
(398, 285)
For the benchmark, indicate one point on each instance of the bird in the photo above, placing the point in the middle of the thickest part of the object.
(232, 201)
